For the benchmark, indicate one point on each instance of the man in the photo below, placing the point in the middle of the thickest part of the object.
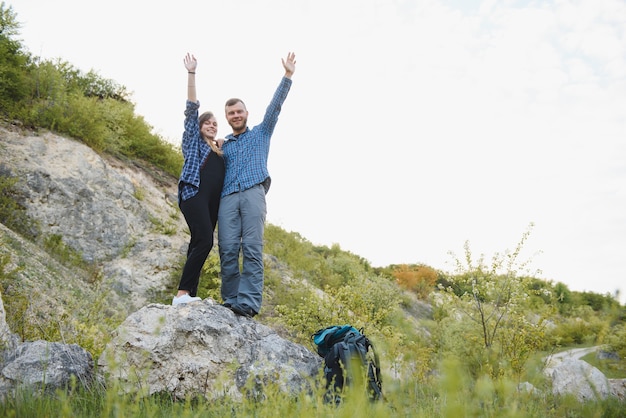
(241, 219)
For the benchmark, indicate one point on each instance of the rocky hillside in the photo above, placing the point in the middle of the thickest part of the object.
(125, 223)
(116, 216)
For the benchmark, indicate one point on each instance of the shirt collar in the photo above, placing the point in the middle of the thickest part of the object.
(235, 137)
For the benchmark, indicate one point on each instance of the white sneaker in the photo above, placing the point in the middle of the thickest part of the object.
(185, 299)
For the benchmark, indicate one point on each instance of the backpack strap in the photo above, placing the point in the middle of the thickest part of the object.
(373, 372)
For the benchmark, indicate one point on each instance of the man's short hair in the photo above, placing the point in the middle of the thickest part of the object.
(234, 101)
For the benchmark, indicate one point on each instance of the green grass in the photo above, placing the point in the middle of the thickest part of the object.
(450, 395)
(612, 369)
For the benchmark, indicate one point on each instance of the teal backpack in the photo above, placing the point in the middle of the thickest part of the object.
(343, 348)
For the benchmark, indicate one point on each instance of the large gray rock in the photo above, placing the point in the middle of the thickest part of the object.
(40, 366)
(204, 349)
(44, 367)
(579, 378)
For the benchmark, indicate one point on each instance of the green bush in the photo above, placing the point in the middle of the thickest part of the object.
(585, 328)
(616, 341)
(55, 95)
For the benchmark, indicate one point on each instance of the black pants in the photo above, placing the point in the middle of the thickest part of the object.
(200, 212)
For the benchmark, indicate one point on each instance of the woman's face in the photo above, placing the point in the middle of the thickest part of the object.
(209, 128)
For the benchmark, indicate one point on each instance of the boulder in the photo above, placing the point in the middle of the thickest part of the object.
(43, 367)
(203, 349)
(579, 378)
(39, 366)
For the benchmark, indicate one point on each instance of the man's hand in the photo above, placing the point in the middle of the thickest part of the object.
(190, 63)
(289, 64)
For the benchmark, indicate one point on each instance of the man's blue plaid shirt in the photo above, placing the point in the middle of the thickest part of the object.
(245, 156)
(195, 151)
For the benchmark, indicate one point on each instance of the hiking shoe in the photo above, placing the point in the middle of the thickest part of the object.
(243, 310)
(185, 299)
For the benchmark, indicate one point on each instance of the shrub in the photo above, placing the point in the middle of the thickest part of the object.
(420, 279)
(616, 341)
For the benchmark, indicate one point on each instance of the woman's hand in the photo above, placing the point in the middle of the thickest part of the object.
(190, 63)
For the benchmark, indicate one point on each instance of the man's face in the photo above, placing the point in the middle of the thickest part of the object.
(237, 117)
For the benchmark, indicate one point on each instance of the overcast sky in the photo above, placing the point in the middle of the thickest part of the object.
(412, 126)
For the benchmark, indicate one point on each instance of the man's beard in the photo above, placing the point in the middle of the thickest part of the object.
(240, 125)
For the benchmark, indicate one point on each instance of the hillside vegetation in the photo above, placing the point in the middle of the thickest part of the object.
(452, 344)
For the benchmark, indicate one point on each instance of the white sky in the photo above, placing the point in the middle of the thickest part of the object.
(411, 127)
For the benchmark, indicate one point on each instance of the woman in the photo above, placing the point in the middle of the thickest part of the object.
(199, 186)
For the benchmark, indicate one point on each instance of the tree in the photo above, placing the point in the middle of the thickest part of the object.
(9, 26)
(493, 297)
(12, 60)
